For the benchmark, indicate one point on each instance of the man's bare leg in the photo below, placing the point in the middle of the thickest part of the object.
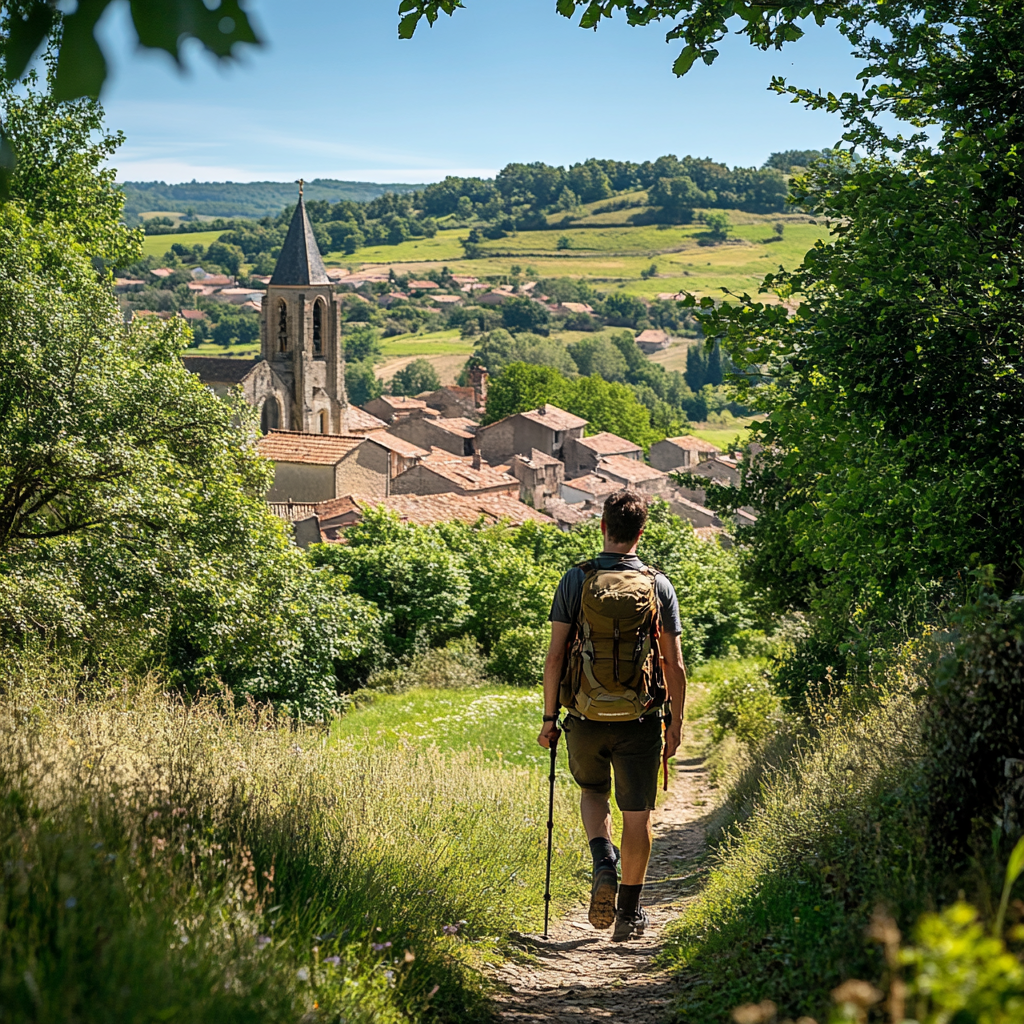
(596, 812)
(636, 846)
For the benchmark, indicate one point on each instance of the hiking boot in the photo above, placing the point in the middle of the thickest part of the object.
(630, 926)
(603, 891)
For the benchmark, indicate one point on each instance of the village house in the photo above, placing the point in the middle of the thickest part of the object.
(200, 276)
(192, 316)
(567, 516)
(546, 428)
(453, 400)
(594, 487)
(720, 468)
(680, 452)
(317, 467)
(238, 296)
(583, 454)
(628, 472)
(326, 521)
(427, 429)
(651, 341)
(360, 422)
(540, 477)
(574, 307)
(162, 272)
(423, 286)
(128, 284)
(493, 298)
(403, 454)
(390, 298)
(391, 408)
(442, 471)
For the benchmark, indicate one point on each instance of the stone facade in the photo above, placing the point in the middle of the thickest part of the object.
(540, 477)
(299, 381)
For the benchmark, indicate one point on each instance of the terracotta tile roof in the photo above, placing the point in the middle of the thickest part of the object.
(629, 469)
(397, 445)
(576, 307)
(460, 471)
(423, 286)
(162, 272)
(692, 444)
(358, 422)
(309, 449)
(461, 422)
(447, 300)
(427, 509)
(594, 485)
(554, 418)
(193, 314)
(293, 511)
(608, 444)
(571, 515)
(653, 336)
(537, 458)
(400, 403)
(217, 370)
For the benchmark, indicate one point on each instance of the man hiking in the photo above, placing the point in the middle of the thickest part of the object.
(613, 663)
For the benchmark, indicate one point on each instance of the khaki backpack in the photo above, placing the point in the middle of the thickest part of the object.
(613, 668)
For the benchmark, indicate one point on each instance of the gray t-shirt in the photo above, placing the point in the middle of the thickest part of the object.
(570, 592)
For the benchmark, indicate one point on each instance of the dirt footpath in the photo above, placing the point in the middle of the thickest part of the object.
(579, 974)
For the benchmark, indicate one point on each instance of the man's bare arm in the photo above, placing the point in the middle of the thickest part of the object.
(675, 682)
(553, 664)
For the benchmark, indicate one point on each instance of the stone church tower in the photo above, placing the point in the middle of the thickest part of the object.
(300, 337)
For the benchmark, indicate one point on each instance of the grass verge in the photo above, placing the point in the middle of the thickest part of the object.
(172, 863)
(835, 829)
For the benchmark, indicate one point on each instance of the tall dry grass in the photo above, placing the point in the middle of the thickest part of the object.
(204, 863)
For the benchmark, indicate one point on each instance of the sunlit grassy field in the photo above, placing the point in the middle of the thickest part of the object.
(157, 245)
(208, 348)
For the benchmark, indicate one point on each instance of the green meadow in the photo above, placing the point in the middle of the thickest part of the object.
(157, 245)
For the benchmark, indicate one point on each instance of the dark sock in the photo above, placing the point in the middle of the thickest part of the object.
(629, 899)
(601, 850)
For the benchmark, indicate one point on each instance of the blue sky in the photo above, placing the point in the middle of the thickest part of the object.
(334, 93)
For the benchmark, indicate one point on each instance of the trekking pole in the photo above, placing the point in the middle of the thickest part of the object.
(551, 826)
(667, 721)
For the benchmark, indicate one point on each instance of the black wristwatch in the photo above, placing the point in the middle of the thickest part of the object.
(550, 718)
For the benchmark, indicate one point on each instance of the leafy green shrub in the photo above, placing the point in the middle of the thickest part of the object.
(745, 705)
(976, 716)
(518, 656)
(457, 665)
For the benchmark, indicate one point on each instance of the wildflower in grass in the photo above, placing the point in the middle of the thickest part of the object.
(379, 947)
(433, 992)
(262, 941)
(302, 974)
(390, 975)
(71, 903)
(452, 929)
(332, 960)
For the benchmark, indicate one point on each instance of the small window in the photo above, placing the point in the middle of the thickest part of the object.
(318, 321)
(282, 327)
(322, 422)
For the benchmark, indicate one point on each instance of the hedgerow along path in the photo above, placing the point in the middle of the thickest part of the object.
(579, 973)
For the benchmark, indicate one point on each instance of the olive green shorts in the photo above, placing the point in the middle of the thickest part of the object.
(632, 750)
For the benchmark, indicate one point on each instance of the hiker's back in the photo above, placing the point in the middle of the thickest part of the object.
(613, 668)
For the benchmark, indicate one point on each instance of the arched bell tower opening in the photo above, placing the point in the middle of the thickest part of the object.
(318, 328)
(282, 325)
(270, 416)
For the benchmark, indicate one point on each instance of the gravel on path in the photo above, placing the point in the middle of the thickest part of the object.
(579, 974)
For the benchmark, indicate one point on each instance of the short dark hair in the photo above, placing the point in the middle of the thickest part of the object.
(625, 515)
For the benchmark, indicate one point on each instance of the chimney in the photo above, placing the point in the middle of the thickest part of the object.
(478, 380)
(477, 461)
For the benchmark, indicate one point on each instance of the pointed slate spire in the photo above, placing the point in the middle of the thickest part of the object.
(300, 262)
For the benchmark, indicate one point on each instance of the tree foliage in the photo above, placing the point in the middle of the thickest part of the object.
(888, 473)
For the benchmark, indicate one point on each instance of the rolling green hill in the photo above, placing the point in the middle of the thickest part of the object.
(245, 199)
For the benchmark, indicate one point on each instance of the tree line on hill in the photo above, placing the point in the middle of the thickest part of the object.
(520, 198)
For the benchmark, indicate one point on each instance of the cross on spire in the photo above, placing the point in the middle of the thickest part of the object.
(301, 183)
